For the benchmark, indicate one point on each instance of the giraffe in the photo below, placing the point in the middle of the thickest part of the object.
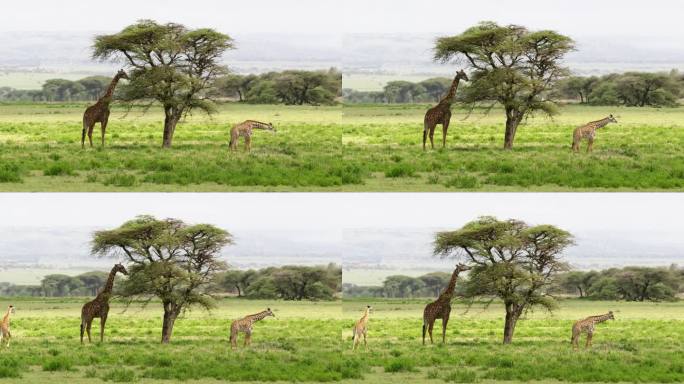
(441, 113)
(588, 131)
(5, 334)
(441, 308)
(99, 112)
(361, 329)
(587, 325)
(99, 306)
(244, 129)
(245, 325)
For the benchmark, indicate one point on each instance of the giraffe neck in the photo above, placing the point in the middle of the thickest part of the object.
(449, 290)
(601, 318)
(110, 283)
(259, 125)
(110, 89)
(365, 316)
(258, 316)
(6, 318)
(448, 99)
(602, 123)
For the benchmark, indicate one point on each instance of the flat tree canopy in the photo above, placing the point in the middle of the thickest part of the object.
(511, 66)
(169, 63)
(509, 259)
(168, 259)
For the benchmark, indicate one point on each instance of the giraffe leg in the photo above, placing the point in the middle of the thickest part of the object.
(233, 339)
(445, 321)
(103, 320)
(82, 329)
(445, 127)
(426, 128)
(248, 143)
(431, 324)
(574, 340)
(83, 133)
(353, 339)
(103, 128)
(590, 146)
(424, 329)
(365, 343)
(589, 336)
(88, 325)
(91, 126)
(248, 338)
(432, 134)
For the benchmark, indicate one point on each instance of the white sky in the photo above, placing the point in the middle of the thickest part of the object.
(575, 17)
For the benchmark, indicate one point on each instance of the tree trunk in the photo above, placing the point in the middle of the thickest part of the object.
(171, 313)
(171, 118)
(512, 314)
(512, 121)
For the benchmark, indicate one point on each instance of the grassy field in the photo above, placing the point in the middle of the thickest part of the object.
(644, 344)
(301, 344)
(311, 342)
(642, 152)
(40, 151)
(350, 148)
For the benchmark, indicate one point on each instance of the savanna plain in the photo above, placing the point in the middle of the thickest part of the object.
(311, 342)
(353, 147)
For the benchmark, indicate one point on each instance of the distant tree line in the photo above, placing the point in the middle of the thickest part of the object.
(286, 283)
(290, 282)
(291, 87)
(628, 283)
(402, 286)
(632, 89)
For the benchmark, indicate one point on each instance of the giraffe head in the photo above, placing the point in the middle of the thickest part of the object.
(612, 119)
(10, 309)
(122, 74)
(271, 127)
(269, 312)
(120, 268)
(462, 267)
(610, 315)
(369, 308)
(461, 75)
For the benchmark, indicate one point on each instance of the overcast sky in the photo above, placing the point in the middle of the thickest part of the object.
(576, 17)
(389, 229)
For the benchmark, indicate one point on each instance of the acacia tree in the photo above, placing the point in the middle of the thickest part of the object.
(510, 65)
(510, 260)
(168, 259)
(170, 64)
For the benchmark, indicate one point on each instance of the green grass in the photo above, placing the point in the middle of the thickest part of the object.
(311, 342)
(40, 151)
(643, 344)
(642, 152)
(301, 344)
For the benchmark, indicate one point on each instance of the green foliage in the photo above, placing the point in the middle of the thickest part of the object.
(291, 87)
(629, 283)
(290, 282)
(10, 173)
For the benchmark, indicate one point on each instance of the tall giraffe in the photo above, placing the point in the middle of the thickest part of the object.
(441, 113)
(361, 329)
(245, 325)
(588, 131)
(587, 325)
(5, 334)
(99, 112)
(441, 308)
(99, 306)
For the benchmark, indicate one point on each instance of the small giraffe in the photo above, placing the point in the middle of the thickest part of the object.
(99, 306)
(99, 112)
(441, 308)
(587, 325)
(245, 325)
(244, 129)
(588, 131)
(361, 329)
(5, 334)
(441, 113)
